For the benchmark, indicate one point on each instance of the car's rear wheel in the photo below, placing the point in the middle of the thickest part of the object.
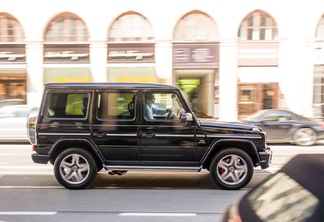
(304, 137)
(75, 168)
(231, 169)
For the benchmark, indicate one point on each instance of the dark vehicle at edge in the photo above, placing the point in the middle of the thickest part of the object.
(294, 193)
(284, 126)
(82, 128)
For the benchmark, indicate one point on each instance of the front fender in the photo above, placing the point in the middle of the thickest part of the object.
(246, 145)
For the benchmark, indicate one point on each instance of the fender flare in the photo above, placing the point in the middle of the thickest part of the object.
(93, 147)
(213, 146)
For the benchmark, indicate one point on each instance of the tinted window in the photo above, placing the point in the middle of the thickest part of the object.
(116, 105)
(67, 105)
(156, 104)
(278, 116)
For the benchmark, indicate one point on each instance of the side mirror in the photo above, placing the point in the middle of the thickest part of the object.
(186, 118)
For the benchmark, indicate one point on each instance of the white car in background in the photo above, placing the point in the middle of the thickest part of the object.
(13, 123)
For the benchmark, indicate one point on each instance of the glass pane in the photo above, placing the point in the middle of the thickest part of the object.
(318, 99)
(130, 27)
(258, 26)
(67, 105)
(196, 27)
(10, 30)
(287, 199)
(116, 105)
(68, 29)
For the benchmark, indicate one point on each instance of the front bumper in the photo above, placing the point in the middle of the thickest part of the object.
(38, 158)
(265, 158)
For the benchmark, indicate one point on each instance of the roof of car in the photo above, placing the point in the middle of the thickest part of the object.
(307, 170)
(104, 85)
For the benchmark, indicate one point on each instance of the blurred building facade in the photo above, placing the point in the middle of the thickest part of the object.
(242, 55)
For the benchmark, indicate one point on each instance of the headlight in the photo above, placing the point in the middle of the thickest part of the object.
(256, 129)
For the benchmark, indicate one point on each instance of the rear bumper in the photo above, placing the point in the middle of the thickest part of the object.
(38, 158)
(266, 157)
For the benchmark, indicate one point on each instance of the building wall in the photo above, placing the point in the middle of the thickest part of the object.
(296, 23)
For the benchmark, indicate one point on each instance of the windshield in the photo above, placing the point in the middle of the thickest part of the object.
(255, 116)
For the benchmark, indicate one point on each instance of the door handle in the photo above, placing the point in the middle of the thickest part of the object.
(283, 127)
(100, 134)
(149, 135)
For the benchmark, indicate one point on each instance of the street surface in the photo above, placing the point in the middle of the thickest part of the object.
(30, 192)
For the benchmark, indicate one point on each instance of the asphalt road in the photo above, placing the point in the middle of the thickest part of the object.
(30, 192)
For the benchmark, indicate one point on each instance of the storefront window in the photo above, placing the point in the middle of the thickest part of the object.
(254, 97)
(66, 28)
(130, 27)
(247, 99)
(320, 29)
(12, 88)
(10, 29)
(196, 26)
(52, 75)
(132, 74)
(319, 91)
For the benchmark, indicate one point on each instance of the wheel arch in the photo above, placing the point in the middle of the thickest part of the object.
(219, 145)
(63, 144)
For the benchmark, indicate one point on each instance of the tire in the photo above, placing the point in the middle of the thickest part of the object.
(75, 168)
(304, 137)
(231, 169)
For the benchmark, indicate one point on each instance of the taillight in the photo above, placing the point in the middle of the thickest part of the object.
(34, 147)
(233, 214)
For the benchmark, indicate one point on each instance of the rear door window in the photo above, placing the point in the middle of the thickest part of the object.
(116, 105)
(67, 105)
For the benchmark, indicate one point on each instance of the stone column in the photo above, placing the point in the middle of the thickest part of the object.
(164, 61)
(98, 61)
(228, 80)
(35, 72)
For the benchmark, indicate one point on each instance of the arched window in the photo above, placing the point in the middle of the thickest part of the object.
(320, 29)
(130, 27)
(195, 26)
(10, 29)
(258, 26)
(66, 28)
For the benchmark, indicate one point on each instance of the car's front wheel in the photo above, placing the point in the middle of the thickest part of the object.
(304, 137)
(231, 169)
(75, 168)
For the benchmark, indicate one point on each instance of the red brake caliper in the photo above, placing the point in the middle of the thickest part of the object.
(222, 169)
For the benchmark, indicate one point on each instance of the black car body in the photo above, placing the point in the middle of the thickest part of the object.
(84, 127)
(284, 126)
(294, 193)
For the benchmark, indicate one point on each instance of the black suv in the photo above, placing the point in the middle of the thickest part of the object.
(82, 128)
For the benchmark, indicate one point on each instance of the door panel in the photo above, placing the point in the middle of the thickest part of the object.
(164, 140)
(115, 130)
(171, 141)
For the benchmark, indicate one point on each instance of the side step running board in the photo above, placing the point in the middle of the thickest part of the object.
(123, 167)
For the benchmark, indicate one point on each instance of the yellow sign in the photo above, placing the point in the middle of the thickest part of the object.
(71, 80)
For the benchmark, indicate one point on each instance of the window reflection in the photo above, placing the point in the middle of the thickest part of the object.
(282, 199)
